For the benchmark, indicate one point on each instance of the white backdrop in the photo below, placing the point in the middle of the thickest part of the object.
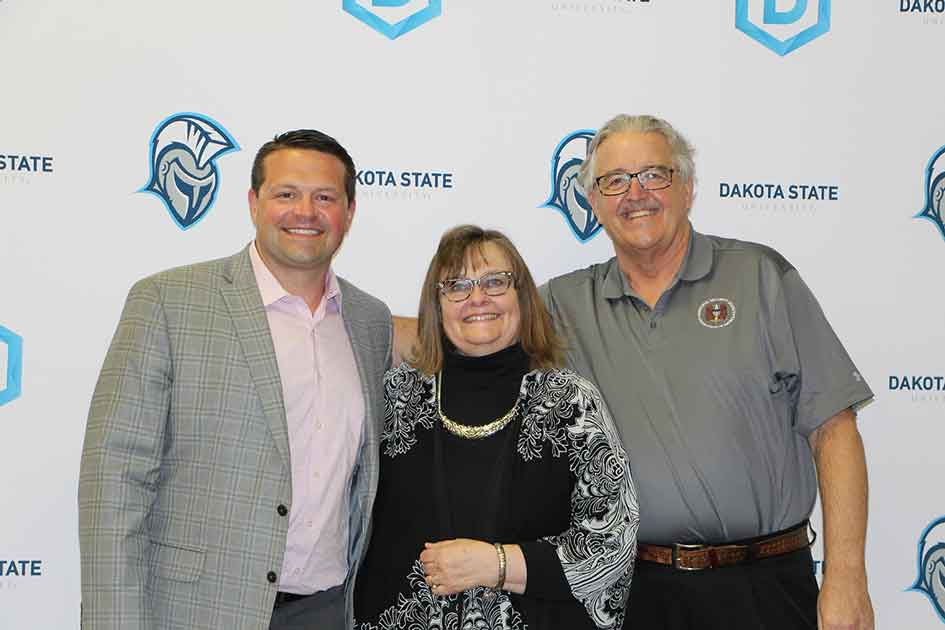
(484, 91)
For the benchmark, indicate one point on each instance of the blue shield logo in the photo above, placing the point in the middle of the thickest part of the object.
(931, 578)
(934, 209)
(394, 23)
(184, 149)
(14, 368)
(784, 39)
(566, 196)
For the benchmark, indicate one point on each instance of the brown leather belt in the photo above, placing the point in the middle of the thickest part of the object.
(698, 557)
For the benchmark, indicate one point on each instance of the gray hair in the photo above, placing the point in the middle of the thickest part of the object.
(680, 148)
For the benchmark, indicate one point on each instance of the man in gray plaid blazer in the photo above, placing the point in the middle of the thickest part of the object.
(230, 459)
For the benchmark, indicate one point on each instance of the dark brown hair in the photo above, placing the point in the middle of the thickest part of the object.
(309, 140)
(537, 335)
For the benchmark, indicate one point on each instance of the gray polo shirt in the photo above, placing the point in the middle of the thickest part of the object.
(715, 390)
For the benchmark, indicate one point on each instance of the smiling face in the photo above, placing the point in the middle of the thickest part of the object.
(482, 324)
(640, 221)
(301, 211)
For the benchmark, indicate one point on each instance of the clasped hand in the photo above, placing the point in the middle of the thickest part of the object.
(453, 566)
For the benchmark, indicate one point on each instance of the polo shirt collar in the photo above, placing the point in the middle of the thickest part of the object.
(698, 262)
(615, 284)
(696, 265)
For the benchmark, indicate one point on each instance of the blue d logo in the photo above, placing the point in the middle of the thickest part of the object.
(13, 344)
(787, 39)
(773, 16)
(390, 27)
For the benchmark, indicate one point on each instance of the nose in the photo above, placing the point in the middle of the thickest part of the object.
(478, 296)
(636, 190)
(307, 206)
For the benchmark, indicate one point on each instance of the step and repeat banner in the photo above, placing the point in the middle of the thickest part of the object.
(819, 128)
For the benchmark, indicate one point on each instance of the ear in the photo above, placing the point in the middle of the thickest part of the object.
(253, 201)
(690, 191)
(593, 198)
(352, 206)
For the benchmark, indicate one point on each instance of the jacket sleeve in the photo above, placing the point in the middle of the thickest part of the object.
(120, 466)
(593, 559)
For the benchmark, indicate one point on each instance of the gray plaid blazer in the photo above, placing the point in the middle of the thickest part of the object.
(186, 454)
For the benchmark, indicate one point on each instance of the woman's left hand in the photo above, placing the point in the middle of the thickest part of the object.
(453, 566)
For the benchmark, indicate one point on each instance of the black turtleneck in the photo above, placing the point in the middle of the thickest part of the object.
(478, 390)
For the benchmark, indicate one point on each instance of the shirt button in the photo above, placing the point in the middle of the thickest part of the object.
(282, 510)
(271, 577)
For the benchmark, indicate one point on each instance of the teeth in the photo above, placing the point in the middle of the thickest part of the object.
(481, 318)
(639, 213)
(303, 231)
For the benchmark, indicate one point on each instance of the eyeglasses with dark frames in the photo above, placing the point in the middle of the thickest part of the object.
(493, 284)
(618, 182)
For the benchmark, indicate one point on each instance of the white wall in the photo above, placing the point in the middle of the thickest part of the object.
(484, 92)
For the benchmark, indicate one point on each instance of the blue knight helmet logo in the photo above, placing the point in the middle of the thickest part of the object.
(934, 210)
(931, 579)
(184, 175)
(567, 196)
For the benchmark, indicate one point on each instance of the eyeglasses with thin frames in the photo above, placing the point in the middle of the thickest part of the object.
(493, 284)
(619, 182)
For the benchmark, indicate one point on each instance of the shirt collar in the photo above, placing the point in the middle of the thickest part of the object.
(699, 258)
(615, 282)
(271, 290)
(696, 265)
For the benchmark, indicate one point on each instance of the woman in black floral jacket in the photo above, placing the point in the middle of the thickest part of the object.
(505, 499)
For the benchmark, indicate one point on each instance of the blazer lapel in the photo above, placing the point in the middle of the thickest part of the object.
(369, 371)
(364, 356)
(241, 295)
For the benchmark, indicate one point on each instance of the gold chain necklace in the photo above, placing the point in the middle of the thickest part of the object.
(464, 431)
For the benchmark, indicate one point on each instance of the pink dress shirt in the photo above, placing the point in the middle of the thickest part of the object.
(324, 409)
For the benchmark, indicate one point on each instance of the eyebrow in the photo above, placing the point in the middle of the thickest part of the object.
(295, 186)
(484, 272)
(642, 168)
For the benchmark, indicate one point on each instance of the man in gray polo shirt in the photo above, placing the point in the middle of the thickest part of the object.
(733, 395)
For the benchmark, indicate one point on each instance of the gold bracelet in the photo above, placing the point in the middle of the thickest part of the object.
(500, 551)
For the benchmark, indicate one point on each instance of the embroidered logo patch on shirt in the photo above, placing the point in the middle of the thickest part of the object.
(716, 313)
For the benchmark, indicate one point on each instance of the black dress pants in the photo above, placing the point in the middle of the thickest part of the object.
(324, 610)
(777, 593)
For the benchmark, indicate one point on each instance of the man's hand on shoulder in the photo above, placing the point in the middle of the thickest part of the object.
(405, 336)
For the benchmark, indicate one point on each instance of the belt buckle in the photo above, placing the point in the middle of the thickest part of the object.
(677, 547)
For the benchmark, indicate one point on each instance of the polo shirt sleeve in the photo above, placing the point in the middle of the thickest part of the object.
(545, 292)
(827, 379)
